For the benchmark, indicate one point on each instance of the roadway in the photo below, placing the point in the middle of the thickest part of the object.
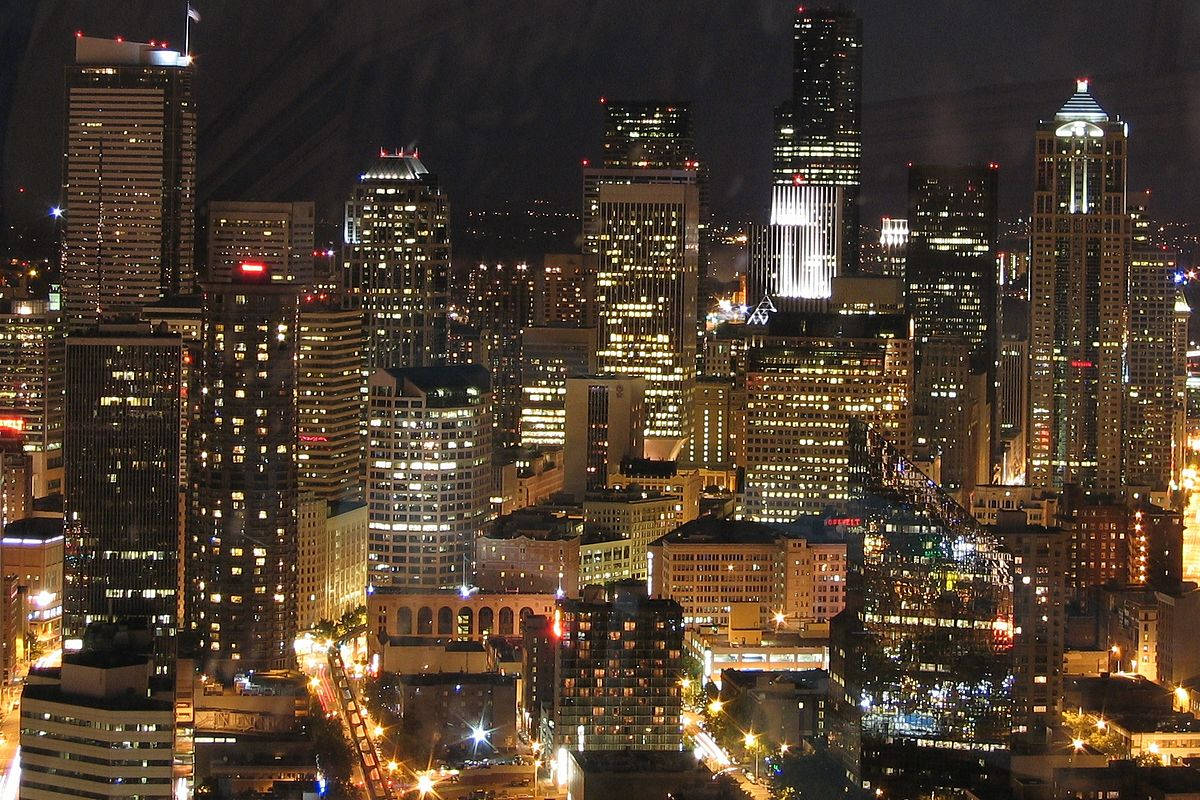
(354, 715)
(1191, 537)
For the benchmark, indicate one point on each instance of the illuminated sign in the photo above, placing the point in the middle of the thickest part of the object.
(849, 522)
(253, 268)
(12, 425)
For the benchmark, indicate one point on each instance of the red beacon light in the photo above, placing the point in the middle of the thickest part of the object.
(585, 162)
(78, 34)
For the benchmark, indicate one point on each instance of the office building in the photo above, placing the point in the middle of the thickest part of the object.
(96, 727)
(1155, 404)
(548, 357)
(655, 135)
(532, 551)
(712, 422)
(1040, 559)
(331, 566)
(893, 247)
(16, 473)
(499, 303)
(31, 553)
(663, 477)
(397, 260)
(31, 389)
(927, 684)
(791, 575)
(950, 292)
(277, 235)
(1012, 389)
(634, 517)
(618, 667)
(806, 379)
(429, 476)
(121, 502)
(605, 420)
(538, 645)
(646, 246)
(129, 179)
(818, 132)
(564, 291)
(1079, 301)
(794, 259)
(329, 397)
(241, 534)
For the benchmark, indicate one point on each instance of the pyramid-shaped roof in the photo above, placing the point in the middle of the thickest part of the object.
(1081, 106)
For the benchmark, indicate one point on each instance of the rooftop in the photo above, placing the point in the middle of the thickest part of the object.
(399, 165)
(1081, 106)
(445, 385)
(53, 693)
(455, 678)
(636, 761)
(715, 530)
(33, 529)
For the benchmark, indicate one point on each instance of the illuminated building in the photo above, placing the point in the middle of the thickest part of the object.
(16, 473)
(499, 302)
(564, 291)
(1012, 389)
(648, 134)
(279, 235)
(1157, 545)
(710, 565)
(711, 422)
(1040, 559)
(795, 258)
(818, 134)
(618, 666)
(1155, 405)
(408, 611)
(329, 396)
(647, 241)
(121, 484)
(605, 418)
(633, 516)
(893, 247)
(397, 260)
(1101, 544)
(950, 290)
(532, 551)
(184, 317)
(102, 723)
(867, 294)
(806, 379)
(429, 473)
(31, 389)
(331, 558)
(926, 683)
(129, 179)
(604, 557)
(525, 477)
(241, 533)
(1079, 301)
(31, 553)
(549, 356)
(1039, 506)
(538, 645)
(769, 649)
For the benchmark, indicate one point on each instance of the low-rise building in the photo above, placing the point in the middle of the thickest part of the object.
(416, 654)
(524, 477)
(604, 557)
(784, 706)
(663, 477)
(458, 711)
(637, 775)
(31, 559)
(1040, 506)
(637, 515)
(530, 550)
(434, 613)
(769, 652)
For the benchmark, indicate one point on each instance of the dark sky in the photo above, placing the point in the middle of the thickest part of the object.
(501, 95)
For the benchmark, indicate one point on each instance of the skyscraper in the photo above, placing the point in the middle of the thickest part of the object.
(499, 303)
(617, 670)
(129, 176)
(657, 135)
(647, 276)
(1155, 409)
(279, 235)
(329, 397)
(818, 133)
(548, 357)
(806, 379)
(397, 260)
(429, 476)
(794, 259)
(241, 534)
(604, 422)
(31, 385)
(121, 498)
(1078, 297)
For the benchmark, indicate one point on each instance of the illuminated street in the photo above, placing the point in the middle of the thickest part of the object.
(1191, 538)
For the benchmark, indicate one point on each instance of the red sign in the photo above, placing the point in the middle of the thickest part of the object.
(849, 522)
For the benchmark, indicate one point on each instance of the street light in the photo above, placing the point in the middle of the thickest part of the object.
(424, 784)
(715, 706)
(783, 748)
(1077, 744)
(750, 740)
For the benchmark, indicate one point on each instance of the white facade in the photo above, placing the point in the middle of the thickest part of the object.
(795, 258)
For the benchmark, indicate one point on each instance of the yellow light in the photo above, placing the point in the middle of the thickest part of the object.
(392, 766)
(783, 748)
(749, 739)
(685, 682)
(715, 706)
(1077, 744)
(314, 682)
(1101, 724)
(424, 783)
(1181, 694)
(1153, 748)
(378, 731)
(537, 747)
(779, 617)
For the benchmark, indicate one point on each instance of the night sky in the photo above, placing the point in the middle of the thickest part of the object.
(502, 97)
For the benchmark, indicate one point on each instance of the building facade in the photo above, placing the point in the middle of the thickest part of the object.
(277, 235)
(550, 355)
(604, 425)
(794, 259)
(31, 386)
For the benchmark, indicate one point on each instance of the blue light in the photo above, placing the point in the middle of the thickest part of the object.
(1180, 277)
(56, 212)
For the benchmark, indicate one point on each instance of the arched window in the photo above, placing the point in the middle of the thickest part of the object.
(506, 621)
(487, 621)
(404, 621)
(445, 620)
(465, 617)
(526, 612)
(425, 621)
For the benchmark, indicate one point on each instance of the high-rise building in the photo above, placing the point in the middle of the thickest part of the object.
(1155, 403)
(121, 500)
(647, 277)
(818, 133)
(331, 561)
(397, 260)
(711, 444)
(548, 357)
(617, 669)
(893, 247)
(31, 389)
(950, 292)
(564, 291)
(1012, 389)
(604, 420)
(241, 533)
(329, 397)
(499, 303)
(129, 176)
(795, 258)
(806, 379)
(277, 235)
(657, 135)
(926, 686)
(637, 517)
(429, 476)
(16, 473)
(1079, 299)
